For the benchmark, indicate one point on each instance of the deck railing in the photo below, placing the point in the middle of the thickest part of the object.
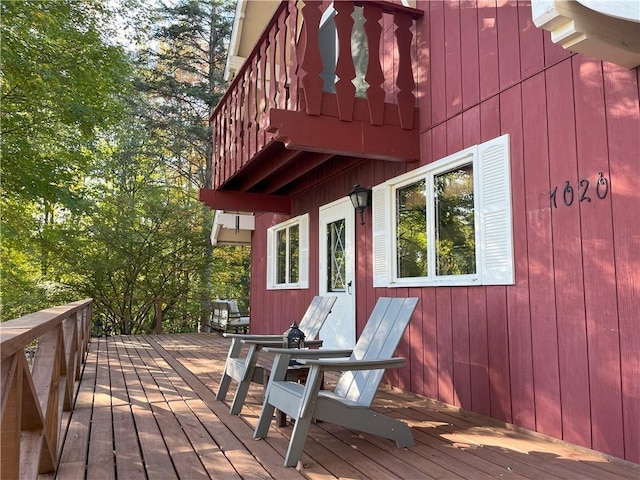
(286, 71)
(41, 358)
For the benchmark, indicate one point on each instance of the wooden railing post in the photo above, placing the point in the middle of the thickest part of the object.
(404, 81)
(311, 61)
(374, 76)
(11, 415)
(158, 315)
(345, 70)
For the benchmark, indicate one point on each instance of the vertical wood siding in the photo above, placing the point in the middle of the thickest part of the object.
(559, 351)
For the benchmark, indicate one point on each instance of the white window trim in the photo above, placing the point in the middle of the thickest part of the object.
(303, 268)
(493, 223)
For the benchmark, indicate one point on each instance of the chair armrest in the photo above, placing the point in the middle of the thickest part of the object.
(248, 336)
(339, 365)
(302, 353)
(275, 343)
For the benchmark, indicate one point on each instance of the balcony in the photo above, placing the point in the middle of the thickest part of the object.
(322, 89)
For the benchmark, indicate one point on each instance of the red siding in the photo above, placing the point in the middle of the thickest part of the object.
(623, 127)
(518, 306)
(559, 351)
(599, 269)
(568, 271)
(469, 54)
(544, 332)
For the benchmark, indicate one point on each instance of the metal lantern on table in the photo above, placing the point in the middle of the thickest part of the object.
(294, 337)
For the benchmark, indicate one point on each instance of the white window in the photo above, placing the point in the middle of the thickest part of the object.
(447, 223)
(288, 254)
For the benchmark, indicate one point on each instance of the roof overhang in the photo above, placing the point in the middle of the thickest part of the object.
(608, 30)
(232, 228)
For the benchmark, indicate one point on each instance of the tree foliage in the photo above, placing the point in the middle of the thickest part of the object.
(182, 76)
(102, 160)
(141, 242)
(53, 105)
(61, 81)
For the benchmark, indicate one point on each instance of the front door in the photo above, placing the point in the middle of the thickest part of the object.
(337, 273)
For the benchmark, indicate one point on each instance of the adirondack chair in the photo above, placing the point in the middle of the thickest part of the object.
(349, 404)
(243, 369)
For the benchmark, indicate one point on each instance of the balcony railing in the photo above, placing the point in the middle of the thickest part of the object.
(41, 358)
(299, 66)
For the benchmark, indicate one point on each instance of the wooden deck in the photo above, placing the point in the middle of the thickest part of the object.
(145, 408)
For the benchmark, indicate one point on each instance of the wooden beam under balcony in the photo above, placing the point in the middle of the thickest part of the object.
(327, 134)
(245, 202)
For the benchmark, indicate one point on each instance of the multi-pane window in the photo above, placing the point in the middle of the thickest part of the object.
(447, 223)
(287, 254)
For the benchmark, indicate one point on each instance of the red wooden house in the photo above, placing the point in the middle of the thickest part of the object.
(501, 141)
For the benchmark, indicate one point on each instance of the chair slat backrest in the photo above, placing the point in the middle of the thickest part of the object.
(316, 314)
(379, 339)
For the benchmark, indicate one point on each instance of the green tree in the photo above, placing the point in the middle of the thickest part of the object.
(52, 107)
(183, 78)
(100, 179)
(142, 240)
(61, 82)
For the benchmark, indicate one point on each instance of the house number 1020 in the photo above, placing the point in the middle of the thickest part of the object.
(582, 193)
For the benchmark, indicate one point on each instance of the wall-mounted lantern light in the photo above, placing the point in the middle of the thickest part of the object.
(361, 199)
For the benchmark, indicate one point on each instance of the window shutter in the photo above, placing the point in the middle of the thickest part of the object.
(304, 251)
(381, 230)
(270, 259)
(496, 237)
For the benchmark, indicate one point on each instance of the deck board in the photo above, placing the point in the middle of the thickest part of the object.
(146, 408)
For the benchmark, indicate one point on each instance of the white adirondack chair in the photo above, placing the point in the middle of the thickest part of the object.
(349, 404)
(242, 369)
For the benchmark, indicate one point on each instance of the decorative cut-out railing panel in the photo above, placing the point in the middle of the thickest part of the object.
(37, 390)
(353, 60)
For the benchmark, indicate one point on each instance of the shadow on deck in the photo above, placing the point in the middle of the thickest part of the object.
(145, 408)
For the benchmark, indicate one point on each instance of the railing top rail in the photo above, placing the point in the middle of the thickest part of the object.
(16, 333)
(390, 7)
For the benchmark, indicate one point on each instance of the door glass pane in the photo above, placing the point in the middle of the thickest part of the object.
(411, 230)
(281, 252)
(336, 265)
(455, 229)
(294, 253)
